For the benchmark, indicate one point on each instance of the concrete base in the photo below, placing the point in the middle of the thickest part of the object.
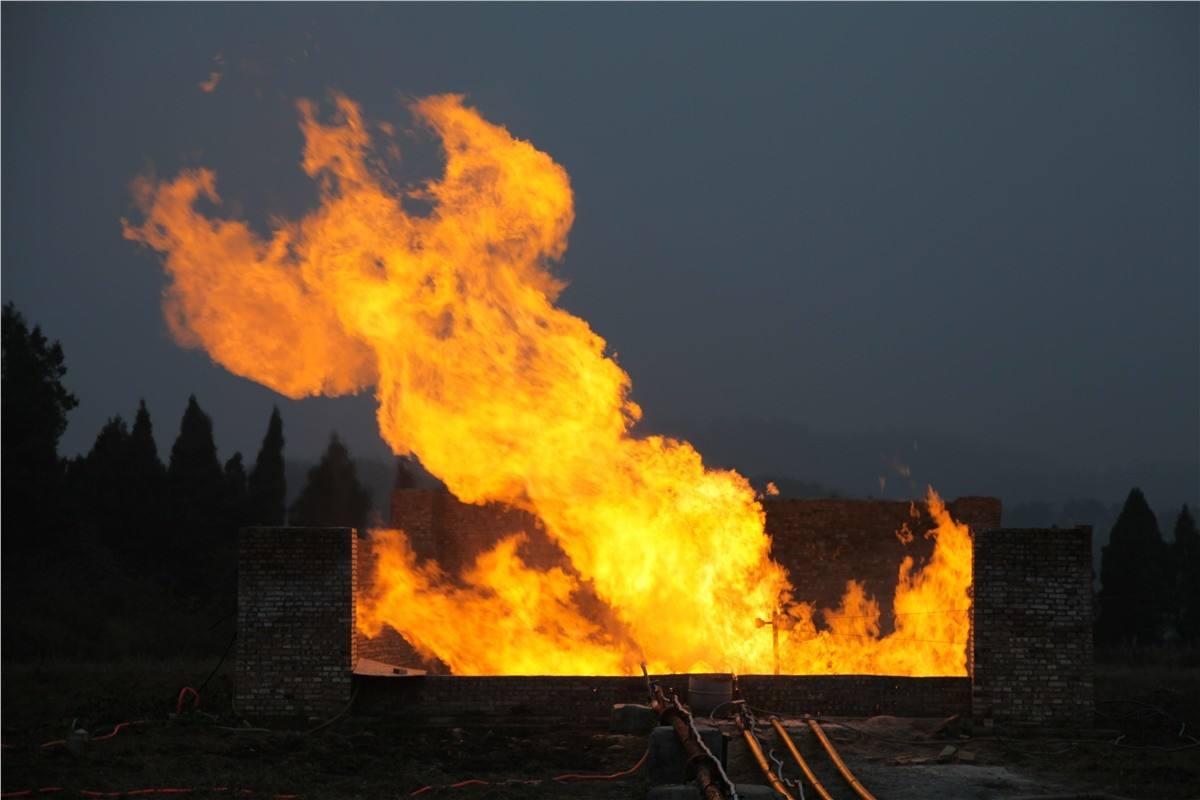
(667, 763)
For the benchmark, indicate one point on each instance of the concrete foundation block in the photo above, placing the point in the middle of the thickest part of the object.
(668, 762)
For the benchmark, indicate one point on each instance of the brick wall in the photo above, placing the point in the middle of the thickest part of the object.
(439, 698)
(1031, 635)
(822, 543)
(295, 621)
(1031, 646)
(825, 543)
(444, 528)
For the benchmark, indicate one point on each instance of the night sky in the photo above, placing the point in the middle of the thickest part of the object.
(978, 222)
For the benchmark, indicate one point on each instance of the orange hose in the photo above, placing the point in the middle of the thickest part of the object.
(858, 788)
(756, 751)
(799, 759)
(184, 692)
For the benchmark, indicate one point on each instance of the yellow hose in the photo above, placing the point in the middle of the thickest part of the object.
(799, 759)
(756, 750)
(858, 788)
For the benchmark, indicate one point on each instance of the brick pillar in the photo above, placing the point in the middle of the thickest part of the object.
(295, 618)
(1031, 628)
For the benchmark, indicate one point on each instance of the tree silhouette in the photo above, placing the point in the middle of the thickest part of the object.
(35, 415)
(195, 484)
(102, 487)
(1134, 582)
(147, 518)
(332, 495)
(268, 486)
(1186, 563)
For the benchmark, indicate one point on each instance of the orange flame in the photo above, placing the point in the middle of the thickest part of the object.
(506, 397)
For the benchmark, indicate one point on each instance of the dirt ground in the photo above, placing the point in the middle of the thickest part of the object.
(213, 754)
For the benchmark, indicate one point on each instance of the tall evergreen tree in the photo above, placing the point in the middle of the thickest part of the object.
(195, 485)
(143, 450)
(103, 488)
(332, 495)
(1134, 581)
(1186, 562)
(147, 517)
(35, 406)
(268, 485)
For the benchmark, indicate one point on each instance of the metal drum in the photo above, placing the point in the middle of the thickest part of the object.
(706, 693)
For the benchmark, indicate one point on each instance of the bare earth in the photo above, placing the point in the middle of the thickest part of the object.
(365, 757)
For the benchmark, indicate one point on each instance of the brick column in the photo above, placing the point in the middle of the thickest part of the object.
(1031, 636)
(295, 619)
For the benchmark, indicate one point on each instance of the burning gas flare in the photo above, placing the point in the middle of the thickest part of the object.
(451, 317)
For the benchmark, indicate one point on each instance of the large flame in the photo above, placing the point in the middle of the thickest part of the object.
(451, 317)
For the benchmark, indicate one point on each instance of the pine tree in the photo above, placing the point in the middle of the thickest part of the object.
(332, 496)
(1186, 563)
(36, 405)
(103, 485)
(143, 450)
(195, 484)
(268, 486)
(1134, 582)
(147, 516)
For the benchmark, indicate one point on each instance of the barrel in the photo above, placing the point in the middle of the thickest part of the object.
(707, 693)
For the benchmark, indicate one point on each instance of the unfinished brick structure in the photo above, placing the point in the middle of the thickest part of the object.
(1029, 655)
(1031, 636)
(295, 618)
(825, 543)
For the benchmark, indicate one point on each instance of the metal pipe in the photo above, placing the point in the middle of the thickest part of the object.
(714, 784)
(821, 791)
(858, 788)
(756, 751)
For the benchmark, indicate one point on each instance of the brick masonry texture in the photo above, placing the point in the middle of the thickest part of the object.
(1030, 650)
(590, 699)
(295, 617)
(454, 533)
(825, 543)
(1032, 628)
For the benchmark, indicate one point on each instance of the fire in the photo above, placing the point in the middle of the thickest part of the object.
(451, 317)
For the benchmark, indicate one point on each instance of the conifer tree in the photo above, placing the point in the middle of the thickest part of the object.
(332, 495)
(142, 449)
(104, 487)
(1186, 563)
(36, 405)
(195, 484)
(268, 485)
(147, 516)
(1134, 581)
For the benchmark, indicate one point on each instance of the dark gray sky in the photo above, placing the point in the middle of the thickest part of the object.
(979, 220)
